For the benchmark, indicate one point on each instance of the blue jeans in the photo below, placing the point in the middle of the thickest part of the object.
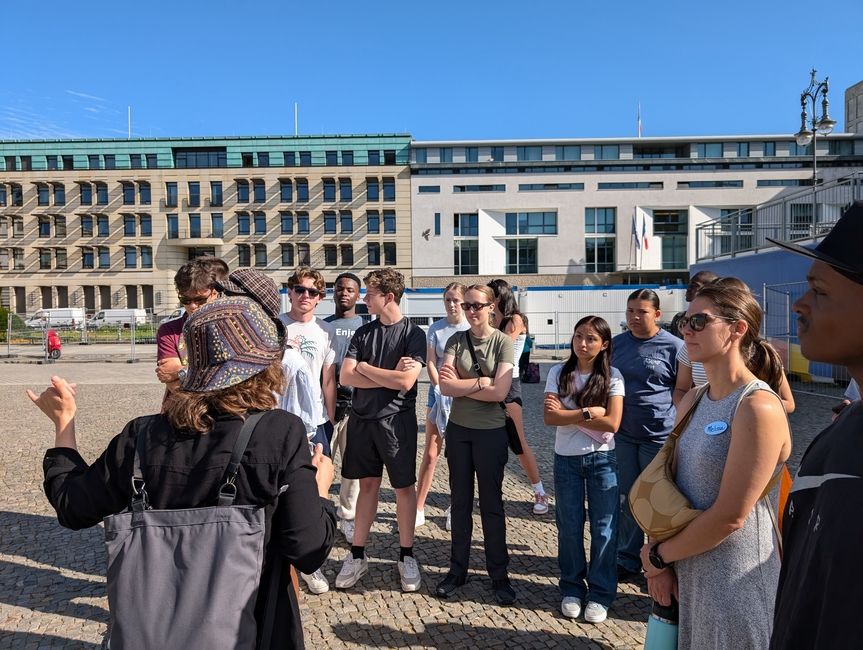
(632, 458)
(595, 474)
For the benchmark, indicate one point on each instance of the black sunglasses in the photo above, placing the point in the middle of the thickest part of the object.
(198, 300)
(474, 306)
(314, 293)
(698, 322)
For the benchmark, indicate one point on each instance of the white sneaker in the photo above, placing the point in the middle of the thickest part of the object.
(316, 582)
(409, 571)
(595, 613)
(569, 607)
(421, 519)
(540, 504)
(448, 524)
(347, 528)
(352, 571)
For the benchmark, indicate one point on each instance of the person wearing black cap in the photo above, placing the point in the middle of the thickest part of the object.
(821, 582)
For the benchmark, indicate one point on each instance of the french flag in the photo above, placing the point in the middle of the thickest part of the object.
(644, 232)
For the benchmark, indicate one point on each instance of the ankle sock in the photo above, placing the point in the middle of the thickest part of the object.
(405, 551)
(537, 487)
(358, 552)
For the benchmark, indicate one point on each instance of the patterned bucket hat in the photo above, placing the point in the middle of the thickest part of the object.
(228, 341)
(258, 286)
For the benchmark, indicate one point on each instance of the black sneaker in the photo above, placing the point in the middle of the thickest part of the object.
(503, 591)
(447, 587)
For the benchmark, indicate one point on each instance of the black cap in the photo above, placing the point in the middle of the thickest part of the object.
(841, 248)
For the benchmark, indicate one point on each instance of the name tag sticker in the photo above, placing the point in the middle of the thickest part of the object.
(715, 428)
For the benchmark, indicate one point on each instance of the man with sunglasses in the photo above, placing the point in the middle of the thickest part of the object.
(821, 581)
(195, 283)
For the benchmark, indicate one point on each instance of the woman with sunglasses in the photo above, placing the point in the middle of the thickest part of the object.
(510, 321)
(476, 441)
(584, 399)
(438, 335)
(646, 356)
(723, 568)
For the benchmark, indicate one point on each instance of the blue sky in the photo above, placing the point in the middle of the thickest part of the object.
(437, 70)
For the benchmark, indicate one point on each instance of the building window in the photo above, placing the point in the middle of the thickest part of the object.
(44, 259)
(86, 225)
(86, 194)
(170, 195)
(795, 149)
(606, 152)
(465, 257)
(304, 255)
(110, 161)
(743, 150)
(389, 189)
(17, 195)
(471, 154)
(51, 163)
(521, 256)
(102, 225)
(61, 259)
(194, 194)
(93, 161)
(59, 194)
(428, 189)
(195, 226)
(346, 192)
(287, 255)
(329, 223)
(329, 189)
(600, 220)
(11, 164)
(708, 150)
(671, 227)
(216, 193)
(346, 222)
(497, 154)
(286, 191)
(247, 159)
(445, 154)
(437, 223)
(146, 224)
(144, 193)
(347, 251)
(567, 152)
(373, 221)
(261, 255)
(531, 223)
(373, 252)
(390, 253)
(244, 255)
(104, 257)
(2, 194)
(697, 185)
(302, 190)
(458, 189)
(217, 223)
(243, 224)
(128, 193)
(44, 227)
(528, 153)
(389, 221)
(374, 157)
(550, 187)
(260, 190)
(263, 159)
(152, 161)
(373, 189)
(146, 257)
(421, 156)
(840, 147)
(332, 158)
(465, 225)
(17, 227)
(303, 224)
(130, 257)
(630, 185)
(330, 255)
(260, 223)
(305, 161)
(769, 149)
(390, 156)
(347, 158)
(599, 254)
(242, 191)
(129, 225)
(135, 161)
(42, 194)
(198, 158)
(87, 260)
(68, 163)
(287, 221)
(173, 225)
(59, 226)
(101, 194)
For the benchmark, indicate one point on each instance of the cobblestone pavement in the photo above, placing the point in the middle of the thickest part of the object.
(52, 589)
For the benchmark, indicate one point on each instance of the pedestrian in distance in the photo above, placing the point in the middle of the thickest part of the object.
(584, 400)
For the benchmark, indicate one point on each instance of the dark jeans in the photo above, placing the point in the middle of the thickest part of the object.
(632, 458)
(594, 476)
(480, 452)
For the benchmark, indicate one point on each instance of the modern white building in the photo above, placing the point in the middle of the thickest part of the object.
(594, 211)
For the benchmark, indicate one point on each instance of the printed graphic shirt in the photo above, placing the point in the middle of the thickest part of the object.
(315, 341)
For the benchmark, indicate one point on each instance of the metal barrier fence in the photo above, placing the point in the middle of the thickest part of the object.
(780, 328)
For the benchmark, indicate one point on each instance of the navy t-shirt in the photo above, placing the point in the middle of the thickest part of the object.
(649, 369)
(382, 346)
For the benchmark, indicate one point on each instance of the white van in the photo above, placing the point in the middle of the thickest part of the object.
(60, 317)
(118, 317)
(174, 315)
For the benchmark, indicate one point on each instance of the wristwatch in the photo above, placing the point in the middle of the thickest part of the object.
(656, 559)
(585, 414)
(181, 374)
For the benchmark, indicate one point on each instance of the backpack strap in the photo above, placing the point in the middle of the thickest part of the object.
(228, 490)
(139, 501)
(476, 367)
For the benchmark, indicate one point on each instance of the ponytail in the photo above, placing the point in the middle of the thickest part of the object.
(764, 362)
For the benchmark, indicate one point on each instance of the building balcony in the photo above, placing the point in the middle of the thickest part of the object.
(194, 238)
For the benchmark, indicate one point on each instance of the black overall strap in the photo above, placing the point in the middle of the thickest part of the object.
(228, 491)
(139, 501)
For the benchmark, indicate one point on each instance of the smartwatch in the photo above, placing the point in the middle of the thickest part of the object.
(585, 414)
(182, 373)
(656, 559)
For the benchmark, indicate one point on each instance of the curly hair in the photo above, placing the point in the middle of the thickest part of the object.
(303, 272)
(386, 280)
(200, 274)
(187, 411)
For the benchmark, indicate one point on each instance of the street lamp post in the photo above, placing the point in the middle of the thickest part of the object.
(819, 126)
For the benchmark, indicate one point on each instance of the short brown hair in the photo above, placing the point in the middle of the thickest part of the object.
(188, 411)
(303, 272)
(387, 280)
(200, 274)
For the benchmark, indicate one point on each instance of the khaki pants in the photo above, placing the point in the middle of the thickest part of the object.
(349, 490)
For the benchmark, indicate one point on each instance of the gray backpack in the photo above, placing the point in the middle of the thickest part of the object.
(185, 578)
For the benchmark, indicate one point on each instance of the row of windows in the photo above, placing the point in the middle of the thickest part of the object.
(521, 256)
(66, 162)
(92, 257)
(299, 223)
(291, 255)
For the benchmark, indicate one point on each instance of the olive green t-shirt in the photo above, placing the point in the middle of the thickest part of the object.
(491, 351)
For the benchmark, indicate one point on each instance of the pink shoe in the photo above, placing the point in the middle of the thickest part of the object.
(540, 505)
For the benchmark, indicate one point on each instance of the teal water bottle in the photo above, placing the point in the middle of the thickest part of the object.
(662, 627)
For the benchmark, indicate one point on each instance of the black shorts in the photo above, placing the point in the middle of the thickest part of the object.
(374, 444)
(514, 394)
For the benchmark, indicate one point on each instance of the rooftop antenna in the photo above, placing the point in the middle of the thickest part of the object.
(296, 119)
(130, 122)
(638, 120)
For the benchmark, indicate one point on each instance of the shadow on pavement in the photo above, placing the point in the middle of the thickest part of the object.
(32, 640)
